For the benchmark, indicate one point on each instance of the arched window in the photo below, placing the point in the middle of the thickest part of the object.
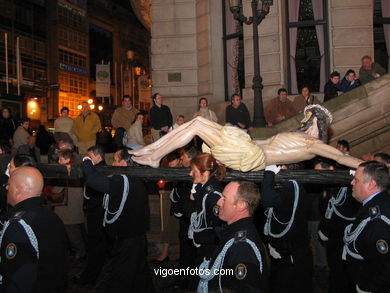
(308, 44)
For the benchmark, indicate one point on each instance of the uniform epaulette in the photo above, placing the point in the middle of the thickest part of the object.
(240, 236)
(374, 212)
(17, 216)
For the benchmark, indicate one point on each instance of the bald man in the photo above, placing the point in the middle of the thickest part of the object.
(33, 242)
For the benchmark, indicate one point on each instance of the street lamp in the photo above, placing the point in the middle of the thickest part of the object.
(260, 9)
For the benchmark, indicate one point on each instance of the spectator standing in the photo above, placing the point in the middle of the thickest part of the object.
(370, 70)
(279, 108)
(63, 126)
(237, 114)
(7, 126)
(160, 117)
(333, 87)
(85, 127)
(125, 115)
(204, 111)
(31, 149)
(350, 81)
(304, 99)
(21, 133)
(33, 241)
(135, 137)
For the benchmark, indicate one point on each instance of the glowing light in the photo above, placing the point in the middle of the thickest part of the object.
(32, 104)
(92, 106)
(90, 101)
(100, 107)
(35, 98)
(79, 107)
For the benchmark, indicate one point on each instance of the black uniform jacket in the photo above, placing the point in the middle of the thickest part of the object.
(134, 219)
(281, 198)
(22, 269)
(241, 259)
(160, 117)
(213, 189)
(373, 273)
(334, 227)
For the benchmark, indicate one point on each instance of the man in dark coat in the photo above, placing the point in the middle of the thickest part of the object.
(287, 228)
(367, 239)
(33, 242)
(333, 87)
(126, 220)
(237, 114)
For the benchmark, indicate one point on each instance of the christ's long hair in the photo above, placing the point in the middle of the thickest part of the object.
(324, 118)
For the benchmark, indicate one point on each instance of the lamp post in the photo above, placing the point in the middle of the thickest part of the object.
(260, 9)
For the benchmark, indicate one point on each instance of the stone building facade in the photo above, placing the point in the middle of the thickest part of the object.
(187, 47)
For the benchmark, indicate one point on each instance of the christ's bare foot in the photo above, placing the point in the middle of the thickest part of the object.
(146, 160)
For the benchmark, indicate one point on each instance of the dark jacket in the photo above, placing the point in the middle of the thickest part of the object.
(7, 129)
(372, 274)
(331, 90)
(281, 199)
(333, 226)
(160, 117)
(212, 189)
(241, 114)
(241, 256)
(134, 218)
(21, 268)
(347, 85)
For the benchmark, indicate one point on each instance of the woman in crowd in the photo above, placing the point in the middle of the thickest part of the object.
(204, 111)
(304, 99)
(63, 127)
(7, 126)
(135, 137)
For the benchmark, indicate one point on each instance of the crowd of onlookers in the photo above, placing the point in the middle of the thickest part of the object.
(281, 107)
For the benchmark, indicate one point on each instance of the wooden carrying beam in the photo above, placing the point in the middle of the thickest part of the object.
(58, 173)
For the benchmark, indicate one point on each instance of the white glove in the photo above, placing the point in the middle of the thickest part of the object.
(273, 252)
(352, 172)
(322, 236)
(358, 290)
(88, 158)
(273, 168)
(7, 170)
